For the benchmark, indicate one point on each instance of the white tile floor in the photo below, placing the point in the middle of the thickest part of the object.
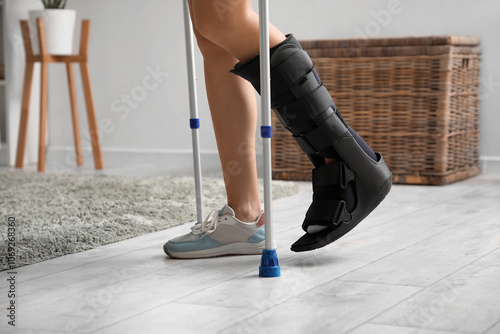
(427, 261)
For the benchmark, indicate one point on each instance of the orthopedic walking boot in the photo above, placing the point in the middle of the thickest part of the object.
(344, 192)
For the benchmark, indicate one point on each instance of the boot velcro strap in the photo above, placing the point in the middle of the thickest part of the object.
(337, 174)
(327, 133)
(290, 71)
(305, 85)
(312, 104)
(326, 213)
(304, 114)
(305, 145)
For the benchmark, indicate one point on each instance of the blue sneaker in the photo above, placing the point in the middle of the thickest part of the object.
(220, 234)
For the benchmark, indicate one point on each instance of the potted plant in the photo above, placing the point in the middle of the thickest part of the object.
(59, 27)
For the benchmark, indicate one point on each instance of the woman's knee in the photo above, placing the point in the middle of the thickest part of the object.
(217, 20)
(208, 49)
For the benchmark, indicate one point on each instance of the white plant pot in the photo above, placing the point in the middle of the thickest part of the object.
(59, 30)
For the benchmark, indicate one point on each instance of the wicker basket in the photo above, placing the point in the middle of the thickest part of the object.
(415, 100)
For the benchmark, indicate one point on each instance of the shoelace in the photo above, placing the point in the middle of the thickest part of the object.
(209, 224)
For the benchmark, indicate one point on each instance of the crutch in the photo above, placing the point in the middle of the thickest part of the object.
(194, 121)
(269, 266)
(269, 262)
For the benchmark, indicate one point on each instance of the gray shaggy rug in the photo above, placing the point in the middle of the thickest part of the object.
(58, 214)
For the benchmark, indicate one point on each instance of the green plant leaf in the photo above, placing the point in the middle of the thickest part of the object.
(54, 4)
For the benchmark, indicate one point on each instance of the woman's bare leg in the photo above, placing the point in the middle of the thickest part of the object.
(234, 115)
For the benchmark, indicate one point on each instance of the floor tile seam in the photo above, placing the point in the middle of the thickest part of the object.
(355, 232)
(151, 309)
(181, 262)
(339, 279)
(129, 317)
(392, 253)
(398, 326)
(416, 243)
(370, 320)
(121, 280)
(423, 289)
(63, 270)
(213, 285)
(420, 289)
(35, 330)
(81, 265)
(479, 258)
(259, 312)
(298, 295)
(18, 327)
(491, 327)
(409, 214)
(316, 286)
(211, 305)
(461, 268)
(475, 188)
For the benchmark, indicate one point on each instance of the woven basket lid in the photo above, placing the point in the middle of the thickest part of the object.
(394, 46)
(393, 41)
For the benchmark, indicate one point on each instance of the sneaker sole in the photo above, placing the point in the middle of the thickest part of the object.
(238, 248)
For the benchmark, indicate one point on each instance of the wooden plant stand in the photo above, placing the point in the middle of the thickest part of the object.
(44, 58)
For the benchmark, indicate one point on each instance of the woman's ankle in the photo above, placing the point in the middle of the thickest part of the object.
(246, 213)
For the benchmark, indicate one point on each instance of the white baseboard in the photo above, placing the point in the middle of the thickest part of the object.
(490, 165)
(4, 155)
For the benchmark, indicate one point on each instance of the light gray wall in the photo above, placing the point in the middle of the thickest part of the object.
(14, 61)
(138, 111)
(129, 38)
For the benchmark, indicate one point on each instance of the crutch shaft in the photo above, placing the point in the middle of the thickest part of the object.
(266, 130)
(193, 108)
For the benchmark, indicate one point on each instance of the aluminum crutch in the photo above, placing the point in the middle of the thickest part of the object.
(194, 121)
(269, 262)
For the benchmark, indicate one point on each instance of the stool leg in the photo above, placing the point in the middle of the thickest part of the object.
(25, 109)
(43, 117)
(74, 114)
(89, 102)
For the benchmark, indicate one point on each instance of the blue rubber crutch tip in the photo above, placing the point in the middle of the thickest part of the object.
(269, 266)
